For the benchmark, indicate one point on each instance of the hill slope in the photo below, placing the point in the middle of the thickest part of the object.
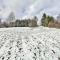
(29, 44)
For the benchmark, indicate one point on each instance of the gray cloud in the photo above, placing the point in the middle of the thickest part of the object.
(24, 8)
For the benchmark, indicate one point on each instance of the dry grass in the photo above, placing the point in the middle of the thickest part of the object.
(56, 24)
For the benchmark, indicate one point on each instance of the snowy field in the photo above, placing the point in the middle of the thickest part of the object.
(23, 43)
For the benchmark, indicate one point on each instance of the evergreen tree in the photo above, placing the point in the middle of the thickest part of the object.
(46, 19)
(43, 19)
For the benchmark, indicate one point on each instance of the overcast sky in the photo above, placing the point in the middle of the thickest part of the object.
(23, 8)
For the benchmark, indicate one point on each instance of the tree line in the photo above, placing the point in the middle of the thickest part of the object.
(20, 23)
(49, 21)
(46, 21)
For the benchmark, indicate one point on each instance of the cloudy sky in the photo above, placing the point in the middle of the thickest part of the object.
(23, 8)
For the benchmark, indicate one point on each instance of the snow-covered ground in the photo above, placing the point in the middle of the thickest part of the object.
(23, 43)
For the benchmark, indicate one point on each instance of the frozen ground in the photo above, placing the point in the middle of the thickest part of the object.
(29, 43)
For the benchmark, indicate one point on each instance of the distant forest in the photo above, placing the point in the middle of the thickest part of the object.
(46, 21)
(12, 22)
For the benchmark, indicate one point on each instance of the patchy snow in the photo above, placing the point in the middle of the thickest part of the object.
(23, 43)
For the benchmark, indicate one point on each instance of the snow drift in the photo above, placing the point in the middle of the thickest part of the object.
(23, 43)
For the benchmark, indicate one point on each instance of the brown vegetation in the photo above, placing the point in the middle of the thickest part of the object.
(56, 24)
